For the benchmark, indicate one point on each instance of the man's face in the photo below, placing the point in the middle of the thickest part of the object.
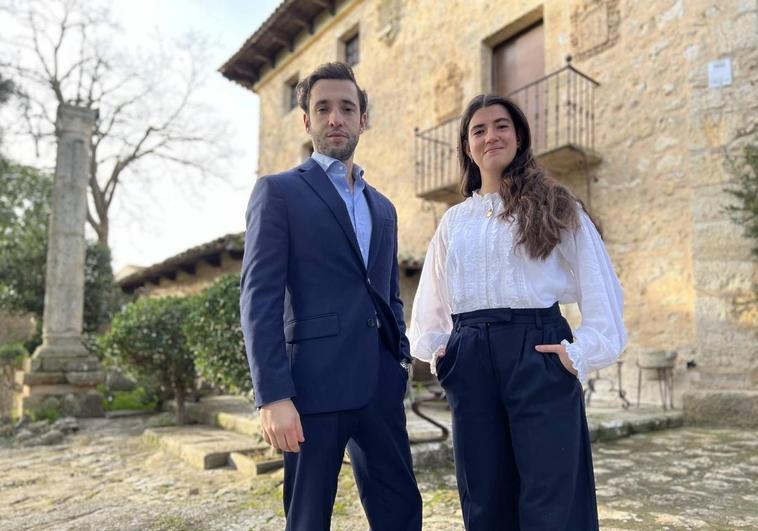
(334, 118)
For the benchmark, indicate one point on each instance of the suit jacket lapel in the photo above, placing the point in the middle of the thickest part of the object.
(317, 179)
(377, 225)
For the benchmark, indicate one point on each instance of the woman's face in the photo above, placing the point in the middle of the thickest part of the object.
(492, 141)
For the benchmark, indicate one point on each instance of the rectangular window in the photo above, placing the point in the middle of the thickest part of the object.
(352, 50)
(290, 94)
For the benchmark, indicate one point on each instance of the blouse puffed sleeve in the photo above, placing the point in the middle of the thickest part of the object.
(431, 323)
(601, 338)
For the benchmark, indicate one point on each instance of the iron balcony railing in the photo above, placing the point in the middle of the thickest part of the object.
(560, 108)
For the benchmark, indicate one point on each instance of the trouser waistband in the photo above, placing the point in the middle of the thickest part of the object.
(536, 316)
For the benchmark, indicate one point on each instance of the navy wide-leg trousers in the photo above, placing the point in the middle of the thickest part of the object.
(377, 441)
(522, 450)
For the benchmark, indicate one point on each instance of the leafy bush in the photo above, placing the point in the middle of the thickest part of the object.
(102, 297)
(214, 335)
(12, 354)
(140, 399)
(48, 413)
(147, 340)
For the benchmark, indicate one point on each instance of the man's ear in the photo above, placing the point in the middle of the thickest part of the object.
(364, 121)
(307, 122)
(467, 149)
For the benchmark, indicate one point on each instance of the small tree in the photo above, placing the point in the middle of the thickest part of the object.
(147, 340)
(745, 212)
(215, 337)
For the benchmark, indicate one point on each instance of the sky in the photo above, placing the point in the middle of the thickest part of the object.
(172, 218)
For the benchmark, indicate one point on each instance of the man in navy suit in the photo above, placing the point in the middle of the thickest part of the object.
(323, 320)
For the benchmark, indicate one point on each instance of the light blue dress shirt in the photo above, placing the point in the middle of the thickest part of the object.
(355, 200)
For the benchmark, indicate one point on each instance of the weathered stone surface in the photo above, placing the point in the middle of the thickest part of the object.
(51, 437)
(644, 482)
(39, 426)
(231, 413)
(24, 435)
(255, 463)
(200, 446)
(40, 378)
(88, 379)
(71, 364)
(62, 350)
(722, 408)
(66, 425)
(90, 405)
(116, 380)
(64, 294)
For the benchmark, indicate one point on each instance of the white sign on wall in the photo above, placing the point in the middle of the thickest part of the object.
(720, 73)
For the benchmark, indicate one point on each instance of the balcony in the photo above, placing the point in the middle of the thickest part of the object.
(560, 109)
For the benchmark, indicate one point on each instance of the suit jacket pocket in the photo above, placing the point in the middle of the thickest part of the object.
(315, 327)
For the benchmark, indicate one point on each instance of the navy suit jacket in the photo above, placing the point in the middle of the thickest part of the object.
(313, 315)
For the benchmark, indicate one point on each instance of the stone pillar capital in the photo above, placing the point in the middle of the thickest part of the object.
(75, 121)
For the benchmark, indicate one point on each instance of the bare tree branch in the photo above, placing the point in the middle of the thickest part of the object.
(150, 114)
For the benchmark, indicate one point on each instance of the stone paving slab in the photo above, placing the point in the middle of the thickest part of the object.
(203, 447)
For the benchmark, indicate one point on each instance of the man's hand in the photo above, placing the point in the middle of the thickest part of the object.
(562, 355)
(281, 426)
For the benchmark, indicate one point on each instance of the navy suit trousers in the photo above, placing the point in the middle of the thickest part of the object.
(376, 439)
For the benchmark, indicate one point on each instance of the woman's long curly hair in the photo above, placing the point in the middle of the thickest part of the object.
(543, 208)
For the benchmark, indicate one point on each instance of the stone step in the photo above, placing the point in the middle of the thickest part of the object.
(203, 447)
(231, 413)
(606, 420)
(256, 463)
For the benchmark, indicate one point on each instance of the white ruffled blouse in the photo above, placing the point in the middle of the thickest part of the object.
(472, 264)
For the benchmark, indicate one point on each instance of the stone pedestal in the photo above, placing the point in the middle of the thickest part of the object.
(61, 373)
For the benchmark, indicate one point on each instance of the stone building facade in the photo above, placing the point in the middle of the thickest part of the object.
(639, 124)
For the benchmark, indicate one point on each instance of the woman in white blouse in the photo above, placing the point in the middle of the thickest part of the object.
(486, 317)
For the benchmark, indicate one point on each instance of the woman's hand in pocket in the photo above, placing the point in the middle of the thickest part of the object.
(562, 355)
(436, 357)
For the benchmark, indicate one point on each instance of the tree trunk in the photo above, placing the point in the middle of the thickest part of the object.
(179, 397)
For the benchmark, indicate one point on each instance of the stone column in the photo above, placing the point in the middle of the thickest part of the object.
(61, 373)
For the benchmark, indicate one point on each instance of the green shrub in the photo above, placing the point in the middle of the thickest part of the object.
(140, 399)
(48, 413)
(12, 355)
(214, 335)
(147, 340)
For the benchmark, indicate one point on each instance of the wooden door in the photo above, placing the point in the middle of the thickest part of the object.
(517, 62)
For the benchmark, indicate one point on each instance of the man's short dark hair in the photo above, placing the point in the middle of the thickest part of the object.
(336, 70)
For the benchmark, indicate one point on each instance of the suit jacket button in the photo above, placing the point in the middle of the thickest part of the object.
(371, 323)
(368, 281)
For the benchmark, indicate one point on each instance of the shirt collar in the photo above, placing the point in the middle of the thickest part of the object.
(327, 162)
(492, 196)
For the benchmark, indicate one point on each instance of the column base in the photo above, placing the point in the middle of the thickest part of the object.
(61, 378)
